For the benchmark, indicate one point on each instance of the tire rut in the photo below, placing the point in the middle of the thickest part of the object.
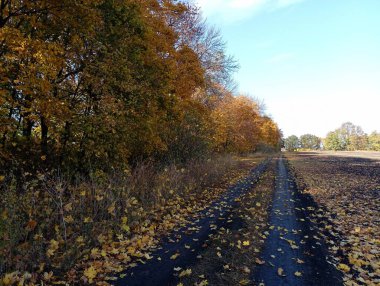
(294, 253)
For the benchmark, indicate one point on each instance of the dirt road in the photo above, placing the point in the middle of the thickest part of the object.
(183, 246)
(294, 254)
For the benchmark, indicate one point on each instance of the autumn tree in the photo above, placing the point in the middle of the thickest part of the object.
(88, 82)
(348, 137)
(374, 141)
(101, 85)
(292, 143)
(333, 141)
(309, 141)
(207, 43)
(271, 135)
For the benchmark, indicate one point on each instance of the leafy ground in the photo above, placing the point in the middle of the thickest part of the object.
(346, 187)
(97, 245)
(229, 255)
(257, 224)
(294, 253)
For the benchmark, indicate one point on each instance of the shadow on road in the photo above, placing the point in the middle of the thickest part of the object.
(294, 254)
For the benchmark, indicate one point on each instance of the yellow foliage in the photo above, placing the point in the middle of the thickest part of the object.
(90, 273)
(53, 247)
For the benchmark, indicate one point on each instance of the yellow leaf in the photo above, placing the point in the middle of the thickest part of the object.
(202, 283)
(174, 256)
(246, 243)
(90, 273)
(69, 219)
(298, 274)
(124, 225)
(111, 209)
(95, 252)
(344, 267)
(280, 271)
(48, 276)
(244, 282)
(80, 239)
(2, 178)
(68, 207)
(52, 247)
(186, 272)
(8, 279)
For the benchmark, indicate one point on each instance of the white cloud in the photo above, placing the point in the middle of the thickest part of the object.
(236, 10)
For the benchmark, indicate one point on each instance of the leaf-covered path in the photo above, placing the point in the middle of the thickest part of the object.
(294, 254)
(180, 250)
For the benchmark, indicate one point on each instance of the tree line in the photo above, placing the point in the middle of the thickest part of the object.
(348, 137)
(103, 84)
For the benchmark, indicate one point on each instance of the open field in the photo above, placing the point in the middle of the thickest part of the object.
(353, 154)
(346, 187)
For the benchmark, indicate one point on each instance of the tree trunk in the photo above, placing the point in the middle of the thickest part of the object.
(44, 136)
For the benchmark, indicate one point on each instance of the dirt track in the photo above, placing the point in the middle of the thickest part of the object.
(293, 253)
(188, 242)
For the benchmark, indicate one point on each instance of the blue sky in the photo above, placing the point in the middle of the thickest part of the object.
(315, 63)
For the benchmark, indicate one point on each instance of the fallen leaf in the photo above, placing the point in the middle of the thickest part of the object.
(280, 272)
(186, 272)
(90, 273)
(244, 282)
(344, 267)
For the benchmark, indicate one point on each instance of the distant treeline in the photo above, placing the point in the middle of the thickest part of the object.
(348, 137)
(103, 84)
